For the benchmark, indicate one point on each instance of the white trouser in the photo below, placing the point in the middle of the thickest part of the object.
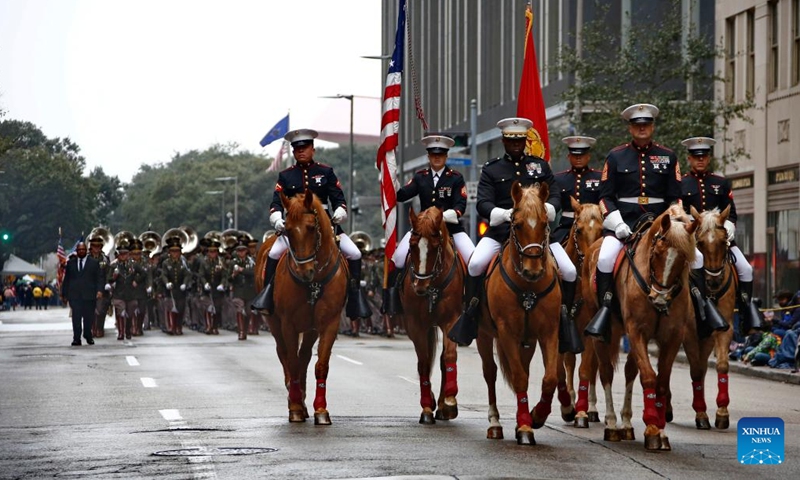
(611, 246)
(484, 251)
(349, 249)
(566, 269)
(743, 267)
(463, 243)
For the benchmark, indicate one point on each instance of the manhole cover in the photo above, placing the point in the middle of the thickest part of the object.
(204, 451)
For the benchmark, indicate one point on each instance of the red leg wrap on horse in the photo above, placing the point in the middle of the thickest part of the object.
(650, 414)
(523, 415)
(543, 408)
(722, 384)
(563, 394)
(699, 397)
(319, 399)
(425, 394)
(661, 406)
(450, 380)
(295, 394)
(582, 405)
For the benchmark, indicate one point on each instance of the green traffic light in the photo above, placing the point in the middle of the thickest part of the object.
(5, 237)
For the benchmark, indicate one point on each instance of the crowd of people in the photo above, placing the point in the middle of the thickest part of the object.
(776, 346)
(29, 295)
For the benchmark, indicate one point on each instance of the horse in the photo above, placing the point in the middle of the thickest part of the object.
(720, 278)
(653, 292)
(586, 230)
(524, 276)
(431, 297)
(312, 269)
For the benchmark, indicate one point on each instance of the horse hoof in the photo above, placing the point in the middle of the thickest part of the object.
(427, 418)
(581, 422)
(537, 424)
(627, 434)
(702, 423)
(652, 442)
(569, 416)
(722, 422)
(665, 446)
(525, 437)
(448, 412)
(322, 418)
(668, 416)
(594, 417)
(611, 435)
(296, 416)
(494, 433)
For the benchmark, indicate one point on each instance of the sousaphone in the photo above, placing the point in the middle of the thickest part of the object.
(105, 234)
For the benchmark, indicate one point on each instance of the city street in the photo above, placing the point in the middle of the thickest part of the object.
(181, 407)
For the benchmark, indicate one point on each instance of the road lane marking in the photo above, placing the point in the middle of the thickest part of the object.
(170, 414)
(349, 360)
(132, 361)
(148, 382)
(408, 380)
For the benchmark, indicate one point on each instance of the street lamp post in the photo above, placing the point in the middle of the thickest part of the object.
(235, 198)
(221, 193)
(349, 183)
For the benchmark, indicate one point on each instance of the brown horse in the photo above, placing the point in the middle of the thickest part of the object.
(586, 230)
(521, 308)
(720, 277)
(653, 291)
(312, 269)
(431, 297)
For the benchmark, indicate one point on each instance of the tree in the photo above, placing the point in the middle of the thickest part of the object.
(108, 197)
(657, 65)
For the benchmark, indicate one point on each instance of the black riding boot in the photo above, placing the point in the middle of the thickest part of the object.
(706, 312)
(600, 326)
(264, 300)
(466, 328)
(569, 340)
(357, 306)
(391, 294)
(752, 318)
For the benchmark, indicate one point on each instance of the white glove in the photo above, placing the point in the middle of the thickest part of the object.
(207, 286)
(551, 212)
(339, 216)
(276, 219)
(450, 216)
(220, 288)
(108, 287)
(149, 289)
(183, 287)
(730, 228)
(499, 216)
(169, 285)
(614, 222)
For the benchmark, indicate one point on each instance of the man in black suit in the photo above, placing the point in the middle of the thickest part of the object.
(83, 285)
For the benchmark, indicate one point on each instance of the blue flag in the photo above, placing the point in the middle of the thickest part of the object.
(277, 132)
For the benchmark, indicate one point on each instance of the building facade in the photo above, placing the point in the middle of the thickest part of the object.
(762, 59)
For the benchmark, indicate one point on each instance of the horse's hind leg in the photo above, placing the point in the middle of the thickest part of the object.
(566, 368)
(606, 371)
(631, 370)
(485, 349)
(586, 403)
(448, 406)
(304, 357)
(697, 352)
(541, 411)
(326, 339)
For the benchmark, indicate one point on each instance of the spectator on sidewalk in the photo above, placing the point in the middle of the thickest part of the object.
(9, 298)
(47, 295)
(785, 320)
(37, 296)
(786, 352)
(764, 351)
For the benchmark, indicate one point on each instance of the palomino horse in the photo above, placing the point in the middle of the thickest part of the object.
(522, 307)
(712, 241)
(586, 229)
(653, 290)
(312, 270)
(431, 297)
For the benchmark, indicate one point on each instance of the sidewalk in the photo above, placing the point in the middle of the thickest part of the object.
(53, 319)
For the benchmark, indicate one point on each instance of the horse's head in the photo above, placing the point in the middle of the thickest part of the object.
(429, 238)
(588, 226)
(672, 249)
(306, 226)
(712, 241)
(530, 231)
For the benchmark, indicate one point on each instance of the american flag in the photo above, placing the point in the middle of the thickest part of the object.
(390, 127)
(62, 260)
(278, 162)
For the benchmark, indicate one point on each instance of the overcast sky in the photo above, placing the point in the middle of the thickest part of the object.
(133, 82)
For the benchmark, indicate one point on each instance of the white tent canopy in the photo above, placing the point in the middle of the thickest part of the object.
(17, 266)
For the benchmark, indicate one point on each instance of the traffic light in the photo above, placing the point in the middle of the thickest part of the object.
(5, 237)
(483, 225)
(461, 139)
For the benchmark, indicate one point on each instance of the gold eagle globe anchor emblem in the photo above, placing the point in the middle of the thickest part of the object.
(533, 144)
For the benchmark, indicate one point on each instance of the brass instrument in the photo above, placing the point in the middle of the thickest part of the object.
(105, 234)
(246, 236)
(151, 243)
(124, 239)
(175, 232)
(194, 238)
(362, 240)
(267, 234)
(229, 238)
(213, 235)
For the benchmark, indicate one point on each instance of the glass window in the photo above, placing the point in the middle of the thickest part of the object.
(785, 251)
(773, 43)
(751, 51)
(795, 42)
(744, 233)
(730, 54)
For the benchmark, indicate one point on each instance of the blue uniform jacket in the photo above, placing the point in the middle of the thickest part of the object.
(584, 185)
(450, 193)
(707, 191)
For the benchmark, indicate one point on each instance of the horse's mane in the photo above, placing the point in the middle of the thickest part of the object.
(427, 224)
(588, 213)
(708, 221)
(296, 209)
(531, 206)
(676, 235)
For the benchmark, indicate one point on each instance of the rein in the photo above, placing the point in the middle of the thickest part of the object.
(542, 248)
(315, 288)
(716, 272)
(434, 293)
(655, 286)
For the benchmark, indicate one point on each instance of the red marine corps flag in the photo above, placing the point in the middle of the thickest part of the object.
(530, 103)
(390, 127)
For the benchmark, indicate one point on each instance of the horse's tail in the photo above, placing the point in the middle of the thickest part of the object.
(505, 366)
(433, 339)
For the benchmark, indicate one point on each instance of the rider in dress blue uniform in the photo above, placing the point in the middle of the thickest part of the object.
(580, 181)
(706, 190)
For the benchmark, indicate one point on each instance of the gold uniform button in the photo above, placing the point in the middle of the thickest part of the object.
(518, 174)
(643, 185)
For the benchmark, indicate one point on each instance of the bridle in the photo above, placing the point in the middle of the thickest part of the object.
(315, 287)
(728, 259)
(434, 293)
(539, 250)
(666, 292)
(437, 263)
